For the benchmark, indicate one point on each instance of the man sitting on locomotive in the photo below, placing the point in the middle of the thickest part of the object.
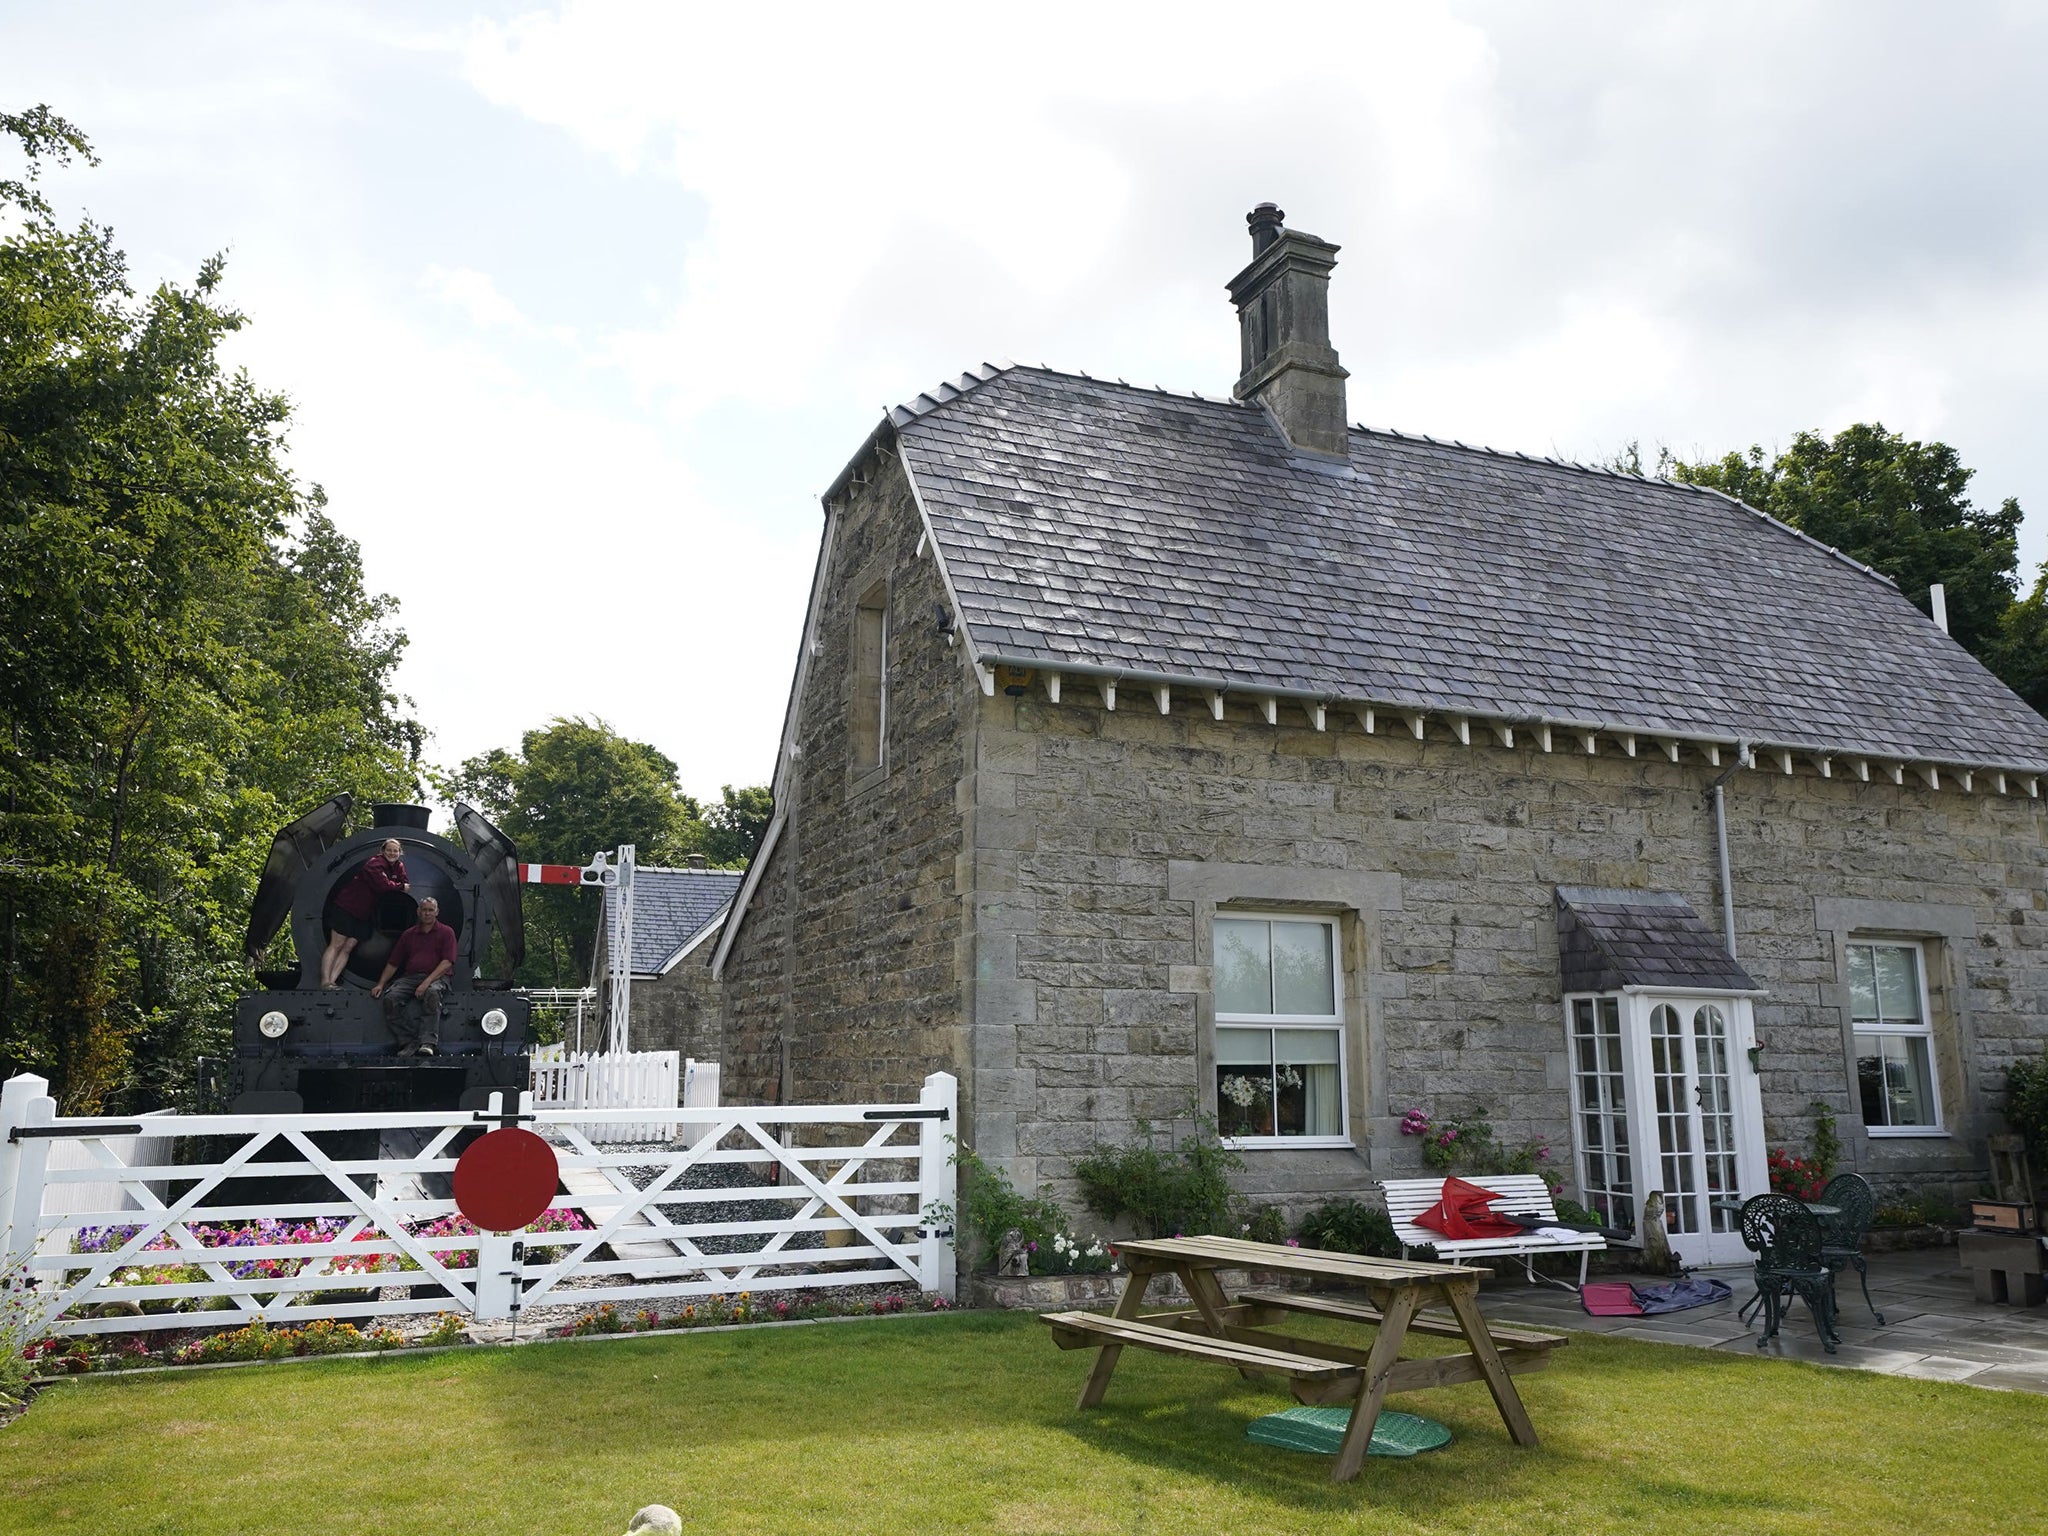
(355, 907)
(421, 960)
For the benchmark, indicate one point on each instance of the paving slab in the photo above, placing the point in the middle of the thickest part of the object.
(1934, 1330)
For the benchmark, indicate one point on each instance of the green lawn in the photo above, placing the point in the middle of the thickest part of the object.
(966, 1422)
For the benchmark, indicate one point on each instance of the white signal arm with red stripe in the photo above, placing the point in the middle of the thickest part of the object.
(598, 872)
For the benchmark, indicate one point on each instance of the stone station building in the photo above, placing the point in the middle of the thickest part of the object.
(1145, 747)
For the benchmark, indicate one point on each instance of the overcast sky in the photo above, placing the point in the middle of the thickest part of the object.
(583, 307)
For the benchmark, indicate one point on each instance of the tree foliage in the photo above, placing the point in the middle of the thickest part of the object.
(188, 657)
(576, 787)
(1901, 507)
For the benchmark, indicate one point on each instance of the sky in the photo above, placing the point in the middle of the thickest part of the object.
(582, 307)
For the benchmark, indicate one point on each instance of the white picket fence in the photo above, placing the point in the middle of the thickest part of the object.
(858, 1197)
(587, 1080)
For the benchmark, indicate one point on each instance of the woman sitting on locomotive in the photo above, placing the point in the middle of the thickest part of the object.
(355, 907)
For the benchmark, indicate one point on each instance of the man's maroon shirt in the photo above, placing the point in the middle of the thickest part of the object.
(417, 953)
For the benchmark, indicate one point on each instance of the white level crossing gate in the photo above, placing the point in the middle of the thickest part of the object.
(728, 1199)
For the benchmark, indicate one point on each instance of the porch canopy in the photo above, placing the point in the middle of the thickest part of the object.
(1626, 941)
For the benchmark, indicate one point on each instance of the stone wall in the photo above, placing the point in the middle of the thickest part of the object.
(1102, 842)
(680, 1011)
(846, 967)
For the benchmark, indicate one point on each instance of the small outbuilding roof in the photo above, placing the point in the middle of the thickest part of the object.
(1608, 940)
(673, 909)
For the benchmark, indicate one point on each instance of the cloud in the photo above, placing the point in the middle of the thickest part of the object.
(582, 306)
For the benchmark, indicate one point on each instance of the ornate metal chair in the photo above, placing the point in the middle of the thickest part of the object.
(1786, 1239)
(1842, 1233)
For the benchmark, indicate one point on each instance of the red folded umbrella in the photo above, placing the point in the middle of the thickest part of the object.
(1465, 1210)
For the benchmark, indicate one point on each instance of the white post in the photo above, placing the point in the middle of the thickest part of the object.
(497, 1276)
(936, 1183)
(619, 948)
(24, 1101)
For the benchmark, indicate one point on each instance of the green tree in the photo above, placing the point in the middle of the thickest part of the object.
(1900, 507)
(574, 788)
(187, 654)
(733, 828)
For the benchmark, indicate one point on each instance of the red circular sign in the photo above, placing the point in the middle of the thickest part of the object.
(505, 1180)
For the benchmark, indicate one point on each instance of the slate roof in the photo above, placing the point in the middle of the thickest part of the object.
(1173, 538)
(673, 907)
(1607, 940)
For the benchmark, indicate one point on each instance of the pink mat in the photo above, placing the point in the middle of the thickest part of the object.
(1609, 1298)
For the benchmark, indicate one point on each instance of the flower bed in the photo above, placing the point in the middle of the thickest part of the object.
(225, 1238)
(52, 1357)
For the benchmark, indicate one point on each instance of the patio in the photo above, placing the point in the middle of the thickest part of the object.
(1934, 1329)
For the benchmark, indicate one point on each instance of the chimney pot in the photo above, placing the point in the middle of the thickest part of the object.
(1266, 221)
(695, 861)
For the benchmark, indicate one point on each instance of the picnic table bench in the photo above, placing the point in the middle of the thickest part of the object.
(1519, 1192)
(1240, 1333)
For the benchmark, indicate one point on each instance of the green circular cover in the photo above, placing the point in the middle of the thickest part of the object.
(1321, 1430)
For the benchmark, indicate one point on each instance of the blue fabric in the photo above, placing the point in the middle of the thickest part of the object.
(1679, 1295)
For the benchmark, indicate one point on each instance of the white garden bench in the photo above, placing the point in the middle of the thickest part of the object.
(1519, 1192)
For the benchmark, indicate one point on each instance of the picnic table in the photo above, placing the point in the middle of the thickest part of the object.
(1238, 1333)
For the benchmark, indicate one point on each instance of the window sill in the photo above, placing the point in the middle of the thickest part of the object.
(1899, 1132)
(1271, 1143)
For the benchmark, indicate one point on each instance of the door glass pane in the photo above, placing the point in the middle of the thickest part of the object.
(1604, 1182)
(1898, 990)
(1244, 1082)
(1668, 1080)
(1303, 978)
(1305, 1070)
(1862, 983)
(1244, 976)
(1716, 1097)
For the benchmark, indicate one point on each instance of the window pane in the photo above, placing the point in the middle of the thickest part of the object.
(1898, 989)
(1244, 1082)
(1862, 984)
(1244, 978)
(1303, 979)
(1870, 1079)
(1308, 1096)
(1244, 1047)
(1909, 1085)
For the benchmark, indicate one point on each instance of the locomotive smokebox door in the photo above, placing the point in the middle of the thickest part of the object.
(297, 1045)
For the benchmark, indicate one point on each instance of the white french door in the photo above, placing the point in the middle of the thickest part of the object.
(1664, 1098)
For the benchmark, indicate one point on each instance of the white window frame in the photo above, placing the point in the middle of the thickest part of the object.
(1923, 1030)
(1334, 1021)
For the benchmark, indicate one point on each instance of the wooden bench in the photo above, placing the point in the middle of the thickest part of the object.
(1440, 1323)
(1409, 1198)
(1316, 1379)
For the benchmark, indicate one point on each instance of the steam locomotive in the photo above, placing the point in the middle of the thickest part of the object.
(299, 1047)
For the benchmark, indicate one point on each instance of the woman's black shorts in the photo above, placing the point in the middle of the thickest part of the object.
(349, 926)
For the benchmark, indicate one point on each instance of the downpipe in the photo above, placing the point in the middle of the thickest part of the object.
(1718, 801)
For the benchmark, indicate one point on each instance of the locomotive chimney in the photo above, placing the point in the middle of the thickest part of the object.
(392, 815)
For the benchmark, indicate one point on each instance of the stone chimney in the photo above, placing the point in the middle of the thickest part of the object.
(1283, 316)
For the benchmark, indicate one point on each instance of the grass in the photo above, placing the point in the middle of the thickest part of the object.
(965, 1422)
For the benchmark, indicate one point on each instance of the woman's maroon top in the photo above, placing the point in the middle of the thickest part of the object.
(358, 898)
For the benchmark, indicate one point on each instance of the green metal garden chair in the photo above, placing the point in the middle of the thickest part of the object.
(1842, 1233)
(1786, 1239)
